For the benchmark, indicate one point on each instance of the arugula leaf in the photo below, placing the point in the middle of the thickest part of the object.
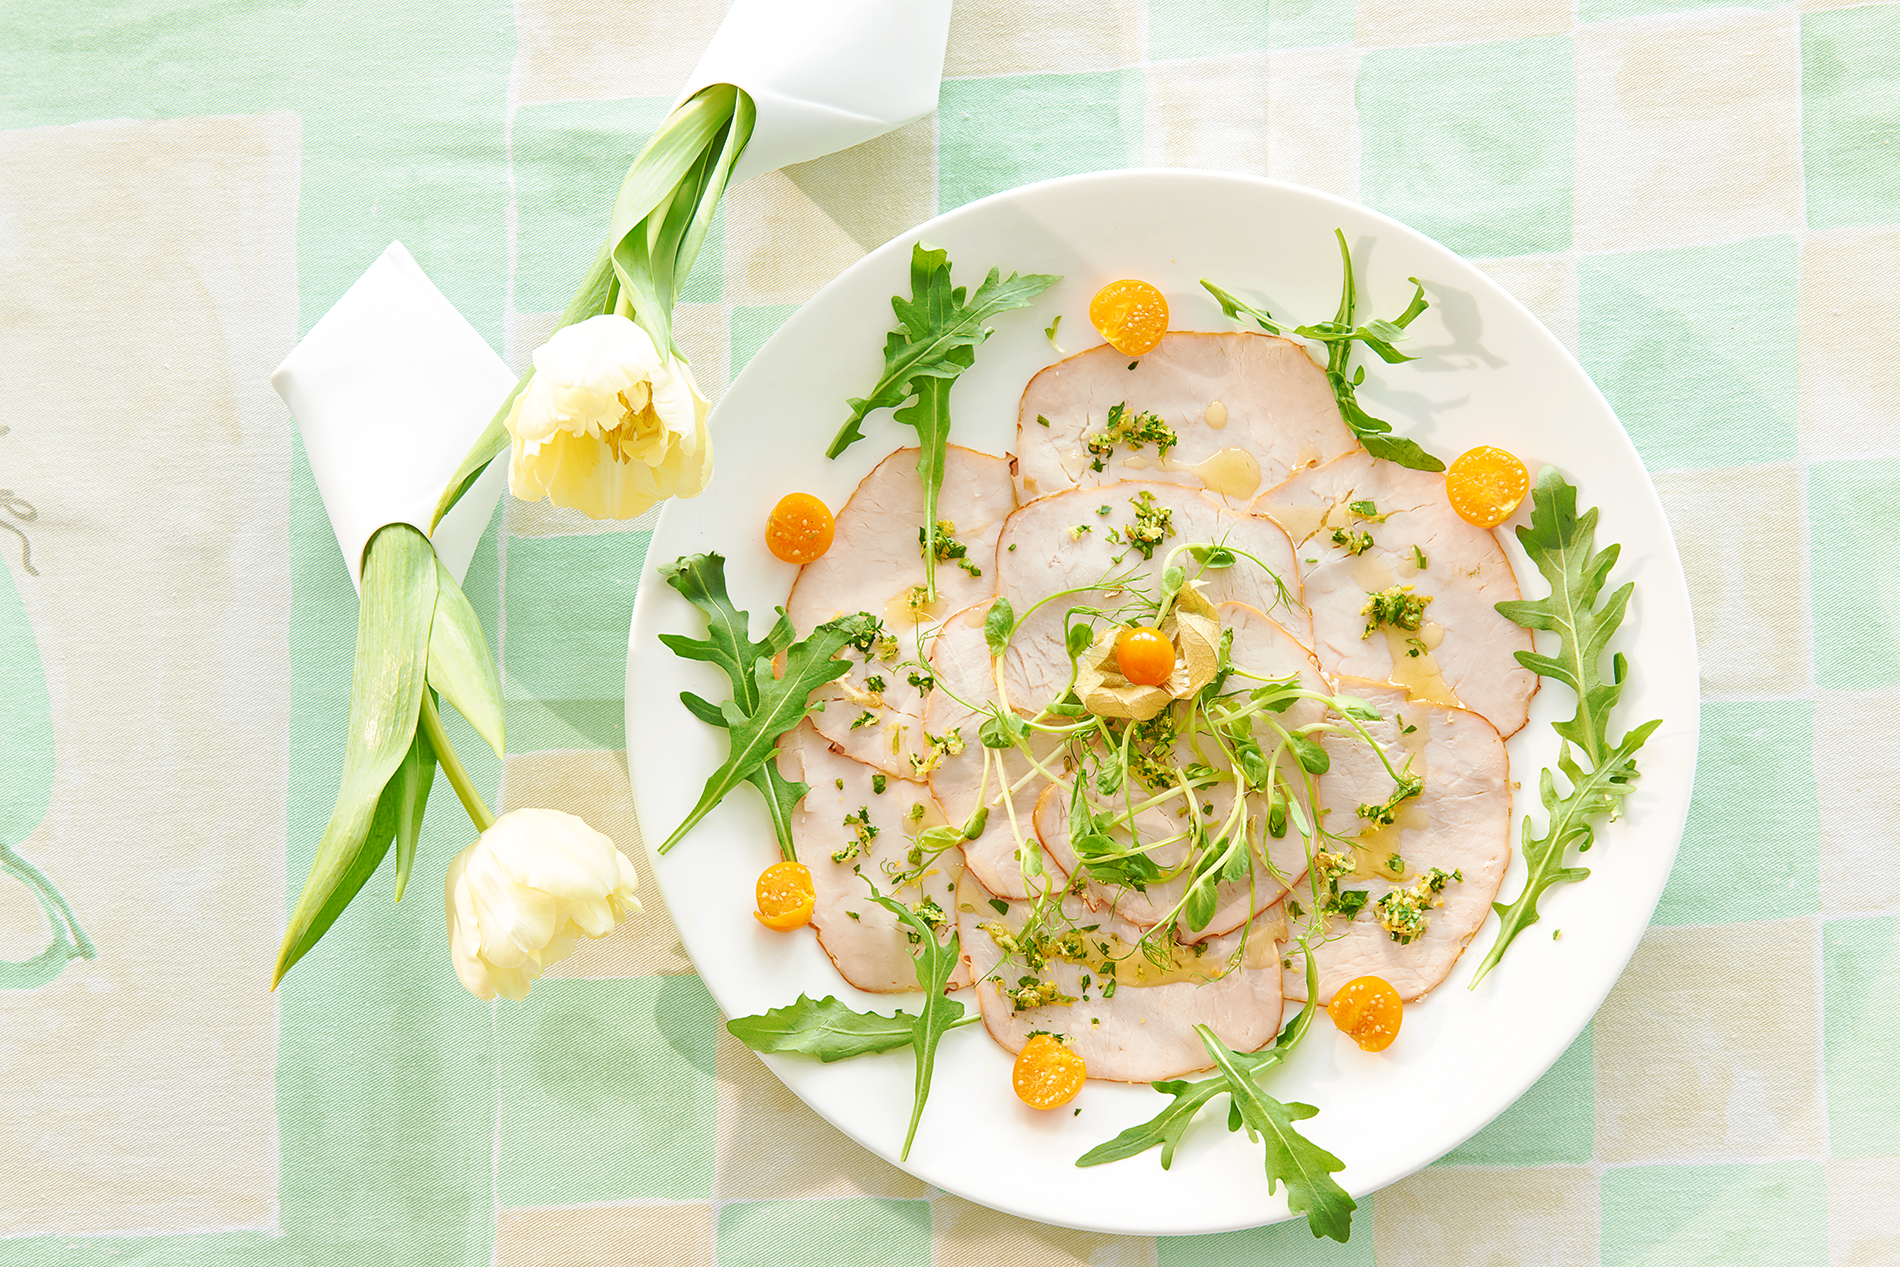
(763, 706)
(824, 1028)
(1303, 1166)
(1562, 543)
(1339, 335)
(935, 342)
(935, 963)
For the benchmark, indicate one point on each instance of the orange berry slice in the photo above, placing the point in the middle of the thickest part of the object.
(1144, 656)
(785, 896)
(1368, 1011)
(1131, 315)
(1047, 1074)
(1484, 485)
(799, 528)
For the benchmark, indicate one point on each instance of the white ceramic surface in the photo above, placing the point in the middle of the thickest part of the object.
(1487, 373)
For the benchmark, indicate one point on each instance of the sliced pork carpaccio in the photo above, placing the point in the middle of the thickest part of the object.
(1063, 543)
(1246, 410)
(1142, 1032)
(960, 664)
(1460, 822)
(875, 558)
(1465, 651)
(871, 830)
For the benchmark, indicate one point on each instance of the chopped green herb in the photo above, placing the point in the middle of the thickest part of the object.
(878, 784)
(1397, 606)
(1354, 541)
(1132, 430)
(1153, 524)
(1368, 511)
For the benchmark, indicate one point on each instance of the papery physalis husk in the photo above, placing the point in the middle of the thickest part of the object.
(1191, 625)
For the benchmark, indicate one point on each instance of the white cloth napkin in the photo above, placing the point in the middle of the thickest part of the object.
(825, 74)
(390, 389)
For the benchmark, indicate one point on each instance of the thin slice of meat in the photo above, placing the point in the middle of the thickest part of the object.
(1246, 410)
(1141, 1032)
(1077, 541)
(960, 667)
(850, 833)
(1460, 822)
(1465, 652)
(876, 556)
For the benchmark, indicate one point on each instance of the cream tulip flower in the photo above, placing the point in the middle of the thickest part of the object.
(608, 425)
(524, 894)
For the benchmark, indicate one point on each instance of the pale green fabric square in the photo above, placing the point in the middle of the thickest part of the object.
(750, 327)
(1715, 1216)
(1609, 10)
(1553, 1123)
(995, 134)
(606, 1091)
(1751, 850)
(1696, 349)
(1472, 144)
(569, 158)
(1853, 523)
(1861, 960)
(1850, 111)
(824, 1233)
(565, 647)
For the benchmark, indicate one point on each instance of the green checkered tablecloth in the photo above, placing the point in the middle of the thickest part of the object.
(1702, 200)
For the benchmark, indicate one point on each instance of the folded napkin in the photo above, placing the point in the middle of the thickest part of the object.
(390, 389)
(825, 74)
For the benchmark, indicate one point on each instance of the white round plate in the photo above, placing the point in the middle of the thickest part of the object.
(1487, 373)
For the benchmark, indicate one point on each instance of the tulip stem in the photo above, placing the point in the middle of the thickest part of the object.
(464, 786)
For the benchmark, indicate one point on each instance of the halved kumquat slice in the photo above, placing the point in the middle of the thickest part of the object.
(800, 528)
(785, 896)
(1484, 485)
(1047, 1074)
(1368, 1011)
(1131, 315)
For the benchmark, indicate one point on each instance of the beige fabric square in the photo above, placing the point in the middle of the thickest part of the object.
(1545, 1216)
(1860, 1223)
(772, 1146)
(763, 215)
(1387, 22)
(143, 431)
(594, 786)
(603, 50)
(1859, 798)
(1313, 120)
(835, 208)
(1850, 340)
(1210, 113)
(1545, 285)
(962, 1233)
(1688, 129)
(606, 1236)
(1030, 37)
(1705, 1050)
(1741, 533)
(877, 189)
